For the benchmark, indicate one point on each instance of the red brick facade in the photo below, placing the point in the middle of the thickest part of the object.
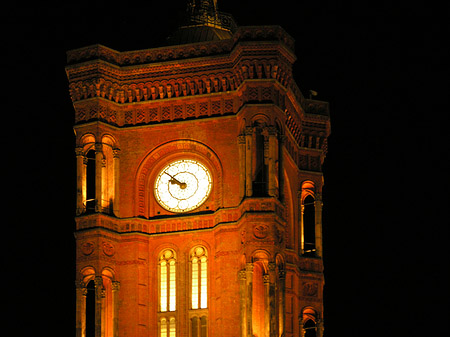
(233, 106)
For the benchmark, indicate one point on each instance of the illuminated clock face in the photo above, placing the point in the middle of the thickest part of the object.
(183, 185)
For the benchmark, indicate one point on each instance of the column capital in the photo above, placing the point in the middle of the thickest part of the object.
(98, 147)
(241, 139)
(79, 284)
(248, 130)
(242, 275)
(79, 151)
(272, 266)
(115, 285)
(116, 152)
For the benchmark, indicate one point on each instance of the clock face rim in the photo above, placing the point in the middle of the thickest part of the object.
(176, 187)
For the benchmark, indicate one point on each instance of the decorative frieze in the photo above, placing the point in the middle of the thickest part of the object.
(180, 52)
(156, 226)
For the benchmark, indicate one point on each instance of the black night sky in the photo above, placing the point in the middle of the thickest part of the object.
(381, 66)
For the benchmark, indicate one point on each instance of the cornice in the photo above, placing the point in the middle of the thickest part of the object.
(259, 34)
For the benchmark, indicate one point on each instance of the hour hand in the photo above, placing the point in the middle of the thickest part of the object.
(173, 180)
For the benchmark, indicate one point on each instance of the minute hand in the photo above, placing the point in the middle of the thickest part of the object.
(173, 180)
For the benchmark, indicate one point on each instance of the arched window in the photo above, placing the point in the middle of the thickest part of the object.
(90, 309)
(167, 281)
(199, 326)
(259, 164)
(309, 319)
(199, 278)
(310, 328)
(168, 327)
(309, 226)
(90, 181)
(258, 300)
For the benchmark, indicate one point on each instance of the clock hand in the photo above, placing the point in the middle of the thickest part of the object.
(173, 180)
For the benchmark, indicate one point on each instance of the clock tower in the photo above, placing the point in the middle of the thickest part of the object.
(199, 183)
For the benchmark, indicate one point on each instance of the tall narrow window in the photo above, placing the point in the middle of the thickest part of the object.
(309, 318)
(90, 181)
(199, 281)
(199, 327)
(172, 328)
(90, 309)
(168, 327)
(310, 328)
(259, 164)
(167, 281)
(309, 226)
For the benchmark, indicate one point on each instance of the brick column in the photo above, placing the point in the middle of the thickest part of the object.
(242, 165)
(267, 306)
(302, 225)
(318, 209)
(248, 161)
(116, 200)
(273, 166)
(99, 299)
(115, 303)
(249, 298)
(243, 301)
(98, 176)
(80, 314)
(81, 180)
(320, 328)
(282, 301)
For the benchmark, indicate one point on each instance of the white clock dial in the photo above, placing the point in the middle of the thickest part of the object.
(183, 185)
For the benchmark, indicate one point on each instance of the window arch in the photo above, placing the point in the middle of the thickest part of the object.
(90, 181)
(309, 224)
(308, 219)
(90, 309)
(309, 322)
(97, 174)
(199, 326)
(167, 281)
(199, 278)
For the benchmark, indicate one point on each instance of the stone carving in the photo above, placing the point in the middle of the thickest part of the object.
(87, 248)
(108, 249)
(310, 289)
(260, 231)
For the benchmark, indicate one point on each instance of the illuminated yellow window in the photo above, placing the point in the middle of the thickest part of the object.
(199, 278)
(168, 327)
(163, 327)
(167, 282)
(172, 327)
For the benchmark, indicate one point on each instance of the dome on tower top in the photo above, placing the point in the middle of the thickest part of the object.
(203, 23)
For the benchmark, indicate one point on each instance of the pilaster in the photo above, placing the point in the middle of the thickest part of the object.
(318, 218)
(81, 176)
(80, 305)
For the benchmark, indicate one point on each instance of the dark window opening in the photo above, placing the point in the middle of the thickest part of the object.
(309, 226)
(310, 328)
(203, 326)
(199, 327)
(90, 309)
(90, 182)
(194, 327)
(259, 166)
